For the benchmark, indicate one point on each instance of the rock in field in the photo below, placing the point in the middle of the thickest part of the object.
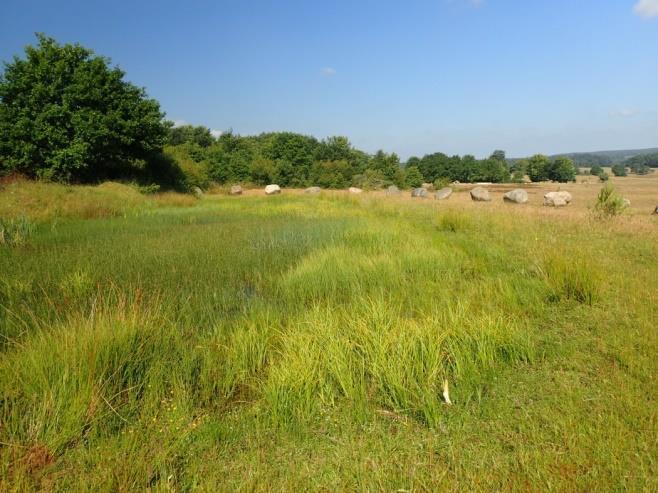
(551, 197)
(354, 190)
(197, 192)
(444, 193)
(627, 203)
(236, 190)
(419, 192)
(655, 211)
(427, 186)
(392, 190)
(313, 190)
(272, 189)
(518, 196)
(480, 194)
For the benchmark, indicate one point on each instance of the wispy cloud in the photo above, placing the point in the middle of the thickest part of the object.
(646, 8)
(624, 113)
(180, 123)
(328, 71)
(216, 133)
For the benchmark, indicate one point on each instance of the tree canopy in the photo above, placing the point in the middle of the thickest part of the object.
(66, 114)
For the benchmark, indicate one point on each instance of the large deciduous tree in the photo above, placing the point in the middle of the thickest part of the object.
(66, 114)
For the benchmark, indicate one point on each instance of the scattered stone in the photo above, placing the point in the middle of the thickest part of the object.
(655, 211)
(427, 186)
(551, 197)
(272, 189)
(392, 190)
(419, 192)
(627, 203)
(236, 190)
(197, 192)
(444, 193)
(480, 194)
(354, 190)
(518, 196)
(313, 190)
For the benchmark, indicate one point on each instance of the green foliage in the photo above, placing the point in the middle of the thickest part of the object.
(149, 189)
(371, 179)
(386, 164)
(562, 170)
(440, 183)
(413, 177)
(331, 174)
(608, 202)
(189, 134)
(193, 173)
(619, 170)
(642, 161)
(586, 159)
(538, 168)
(541, 168)
(596, 170)
(66, 115)
(493, 170)
(465, 169)
(642, 164)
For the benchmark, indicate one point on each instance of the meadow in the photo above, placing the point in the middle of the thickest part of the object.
(300, 342)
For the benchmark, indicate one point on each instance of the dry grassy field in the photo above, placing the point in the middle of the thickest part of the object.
(642, 191)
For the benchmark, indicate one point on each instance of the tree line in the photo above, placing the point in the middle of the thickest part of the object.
(67, 115)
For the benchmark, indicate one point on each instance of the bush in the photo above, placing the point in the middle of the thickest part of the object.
(370, 180)
(440, 183)
(619, 170)
(596, 170)
(608, 202)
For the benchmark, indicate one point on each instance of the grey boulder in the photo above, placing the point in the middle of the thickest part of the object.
(557, 199)
(444, 193)
(480, 194)
(236, 190)
(517, 196)
(313, 190)
(392, 190)
(419, 192)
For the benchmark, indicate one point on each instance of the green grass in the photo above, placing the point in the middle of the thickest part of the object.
(301, 343)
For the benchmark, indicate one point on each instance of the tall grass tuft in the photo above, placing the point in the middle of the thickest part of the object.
(16, 231)
(571, 277)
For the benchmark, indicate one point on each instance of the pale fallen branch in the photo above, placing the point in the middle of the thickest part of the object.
(446, 394)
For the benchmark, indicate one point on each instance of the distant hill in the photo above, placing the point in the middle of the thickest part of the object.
(606, 158)
(602, 158)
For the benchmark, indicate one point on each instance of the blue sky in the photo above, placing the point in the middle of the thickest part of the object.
(457, 76)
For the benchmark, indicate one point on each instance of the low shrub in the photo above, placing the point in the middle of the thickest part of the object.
(609, 203)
